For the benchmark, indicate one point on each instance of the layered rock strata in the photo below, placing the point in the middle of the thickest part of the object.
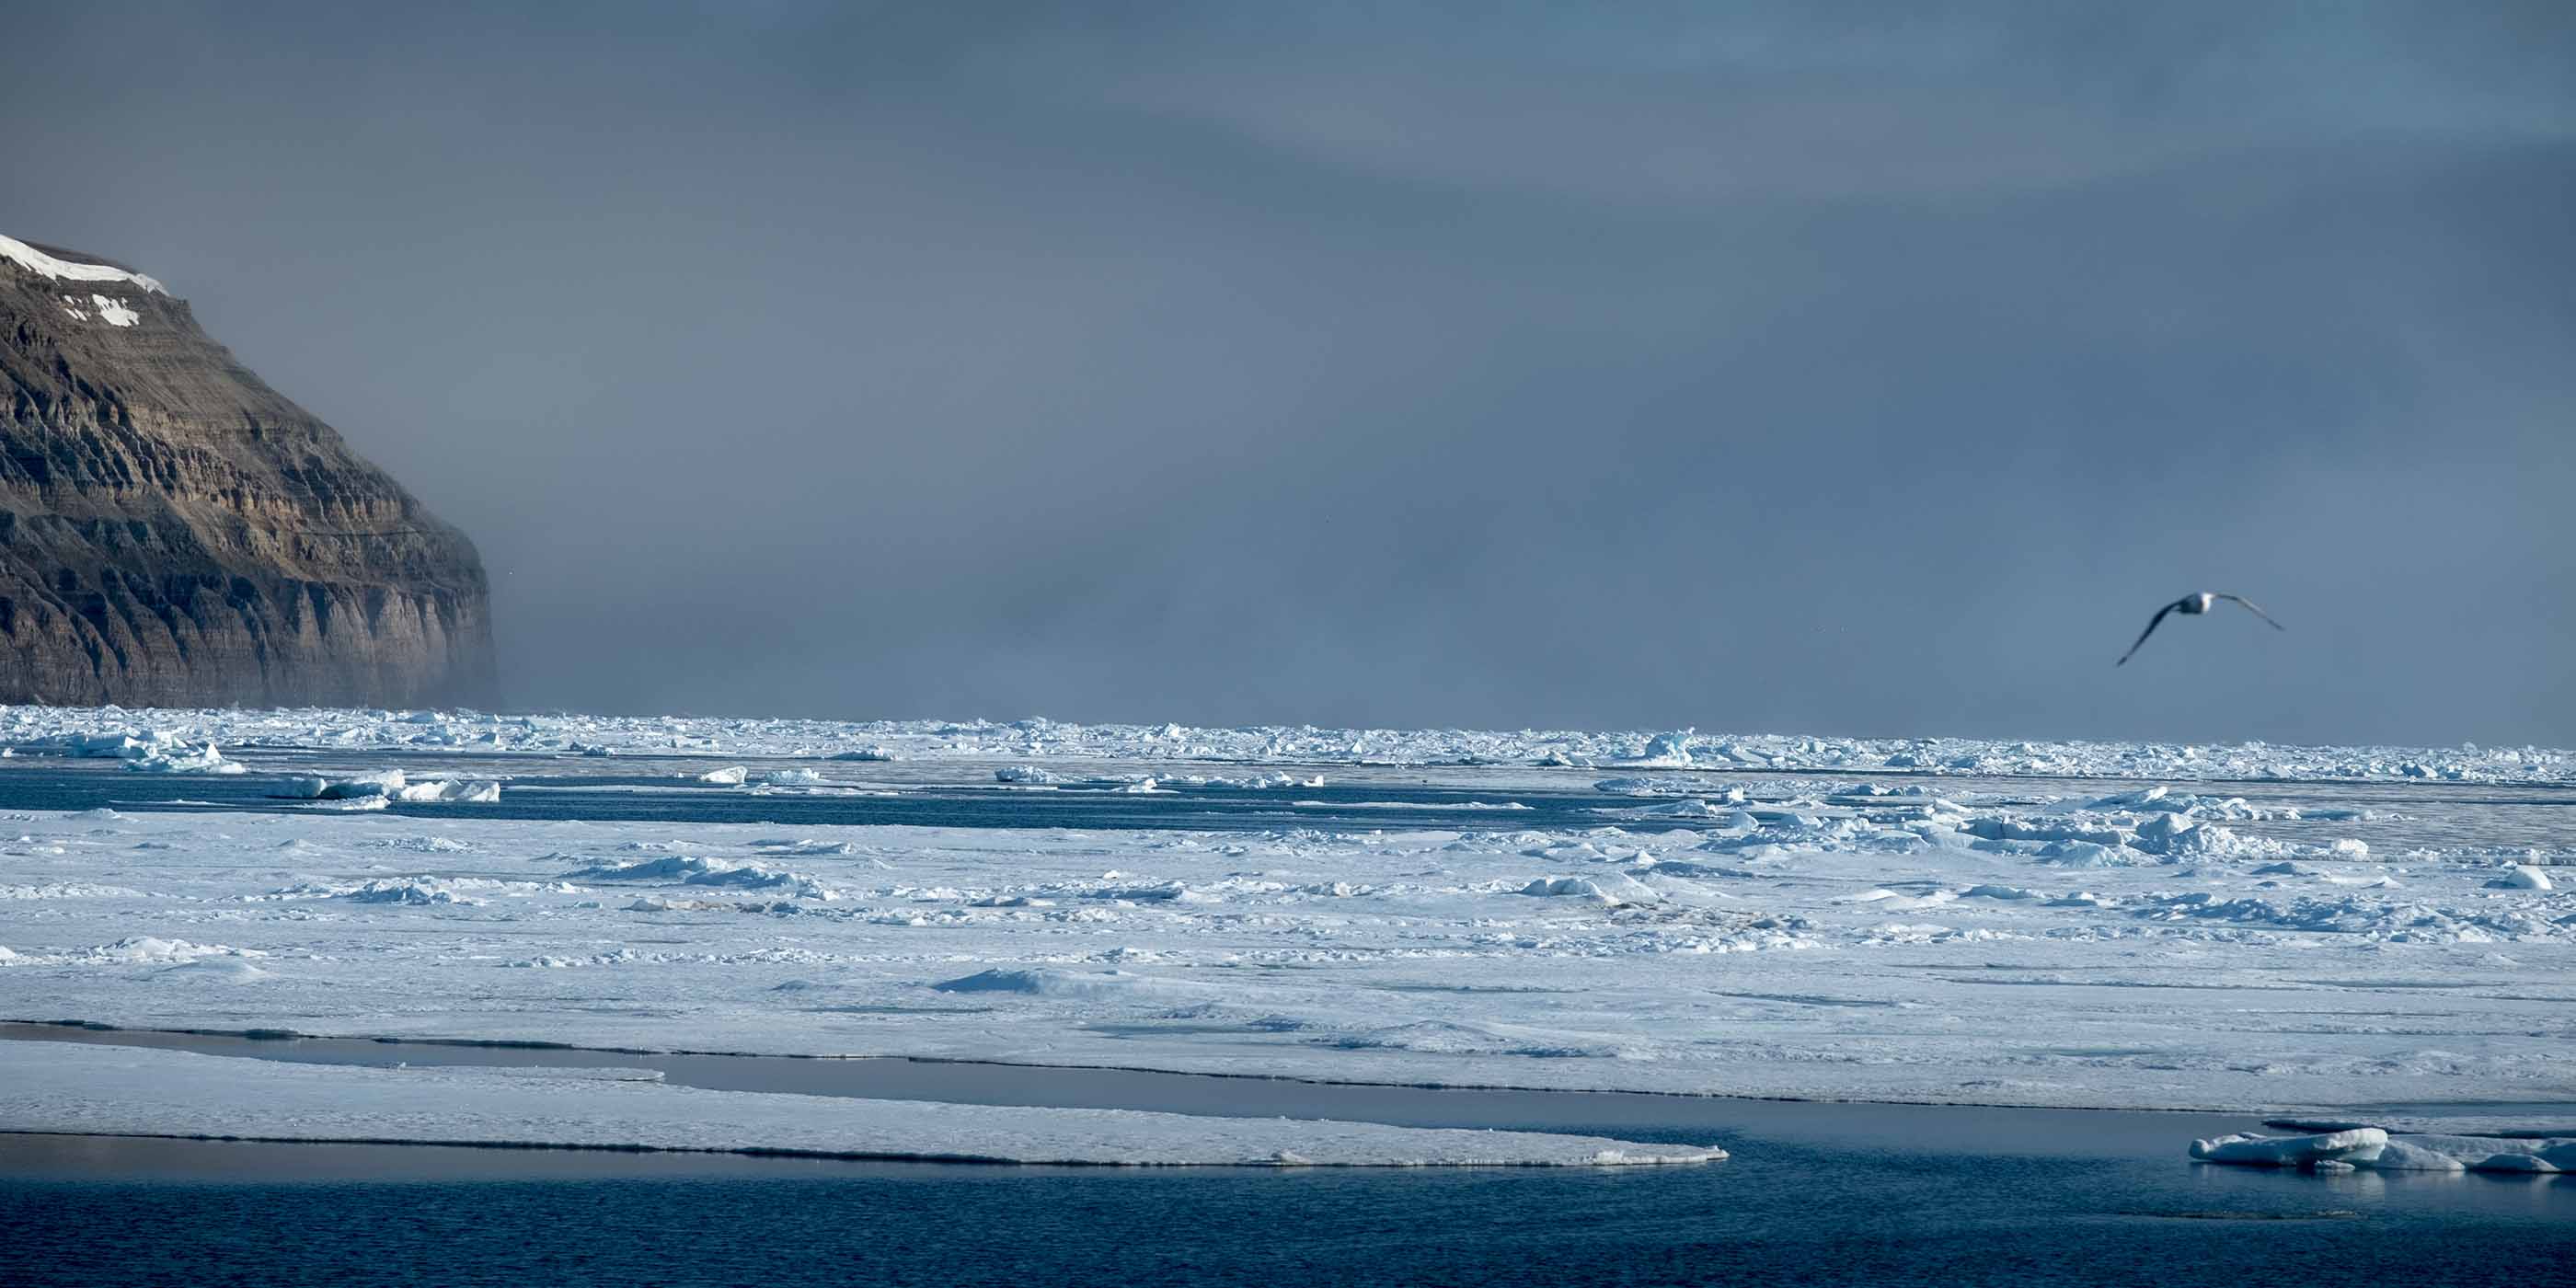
(173, 532)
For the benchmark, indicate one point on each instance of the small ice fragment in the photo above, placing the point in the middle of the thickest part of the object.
(2521, 876)
(450, 791)
(389, 782)
(2360, 1144)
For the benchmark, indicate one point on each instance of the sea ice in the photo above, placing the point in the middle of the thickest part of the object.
(1663, 949)
(72, 1088)
(449, 791)
(2358, 1144)
(33, 728)
(383, 783)
(2375, 1149)
(1608, 888)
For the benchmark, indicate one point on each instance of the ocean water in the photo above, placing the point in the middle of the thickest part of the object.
(90, 1211)
(1353, 798)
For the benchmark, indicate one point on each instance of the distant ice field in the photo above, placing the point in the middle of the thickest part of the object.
(153, 735)
(961, 794)
(2329, 932)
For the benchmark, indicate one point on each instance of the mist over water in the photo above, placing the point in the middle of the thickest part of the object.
(1845, 369)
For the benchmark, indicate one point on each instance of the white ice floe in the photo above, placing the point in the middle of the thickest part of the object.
(63, 1087)
(2521, 876)
(2374, 1149)
(179, 758)
(729, 776)
(2292, 1151)
(694, 871)
(450, 791)
(1119, 985)
(382, 783)
(135, 950)
(68, 890)
(415, 891)
(1609, 888)
(165, 751)
(387, 785)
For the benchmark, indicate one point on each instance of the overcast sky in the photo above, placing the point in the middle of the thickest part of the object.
(1867, 369)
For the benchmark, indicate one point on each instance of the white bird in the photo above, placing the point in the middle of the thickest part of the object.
(2192, 606)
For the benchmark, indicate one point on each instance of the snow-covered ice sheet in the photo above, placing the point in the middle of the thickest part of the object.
(55, 1087)
(2143, 946)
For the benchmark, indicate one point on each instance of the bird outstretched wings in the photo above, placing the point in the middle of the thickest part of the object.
(2193, 604)
(2152, 624)
(2249, 607)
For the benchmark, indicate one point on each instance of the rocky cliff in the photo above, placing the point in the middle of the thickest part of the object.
(173, 532)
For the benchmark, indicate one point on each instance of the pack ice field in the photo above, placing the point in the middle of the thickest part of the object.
(2346, 936)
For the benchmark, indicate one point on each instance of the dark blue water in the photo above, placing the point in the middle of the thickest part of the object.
(1355, 799)
(1815, 1193)
(86, 1211)
(627, 796)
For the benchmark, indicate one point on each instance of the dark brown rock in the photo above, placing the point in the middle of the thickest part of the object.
(173, 532)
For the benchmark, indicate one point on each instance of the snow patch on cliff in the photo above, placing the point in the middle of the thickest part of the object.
(34, 260)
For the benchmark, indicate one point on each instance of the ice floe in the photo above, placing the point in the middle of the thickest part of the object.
(387, 785)
(1725, 926)
(2522, 876)
(56, 1087)
(2375, 1149)
(695, 871)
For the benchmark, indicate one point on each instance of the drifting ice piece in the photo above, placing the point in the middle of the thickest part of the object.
(451, 791)
(2521, 876)
(384, 782)
(1610, 888)
(2358, 1145)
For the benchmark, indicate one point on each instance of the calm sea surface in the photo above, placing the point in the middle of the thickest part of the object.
(97, 1211)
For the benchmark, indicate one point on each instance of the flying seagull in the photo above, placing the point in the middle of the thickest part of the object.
(2191, 606)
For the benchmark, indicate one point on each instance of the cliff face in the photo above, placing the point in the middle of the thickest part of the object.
(173, 532)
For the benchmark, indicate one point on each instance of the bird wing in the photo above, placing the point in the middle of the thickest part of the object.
(2152, 624)
(2249, 607)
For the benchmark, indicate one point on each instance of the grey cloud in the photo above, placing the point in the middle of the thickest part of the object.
(1378, 366)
